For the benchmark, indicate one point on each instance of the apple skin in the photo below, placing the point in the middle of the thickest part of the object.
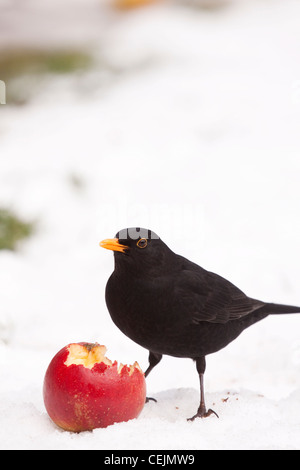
(78, 398)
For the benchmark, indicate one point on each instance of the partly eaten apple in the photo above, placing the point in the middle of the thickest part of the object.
(84, 390)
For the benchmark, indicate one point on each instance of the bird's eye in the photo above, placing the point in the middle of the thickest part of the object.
(142, 243)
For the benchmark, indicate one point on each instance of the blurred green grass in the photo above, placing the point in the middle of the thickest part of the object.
(21, 68)
(14, 63)
(13, 229)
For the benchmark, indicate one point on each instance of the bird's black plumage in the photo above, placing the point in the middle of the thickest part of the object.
(172, 306)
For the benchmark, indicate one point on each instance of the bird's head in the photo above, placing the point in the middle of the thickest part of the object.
(137, 248)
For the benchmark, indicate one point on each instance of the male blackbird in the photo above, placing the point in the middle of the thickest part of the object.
(170, 305)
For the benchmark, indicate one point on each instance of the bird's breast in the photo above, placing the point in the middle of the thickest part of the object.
(139, 310)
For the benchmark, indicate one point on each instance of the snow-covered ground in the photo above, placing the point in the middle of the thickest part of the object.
(197, 137)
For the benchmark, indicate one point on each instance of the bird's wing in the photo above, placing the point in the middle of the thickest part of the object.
(205, 296)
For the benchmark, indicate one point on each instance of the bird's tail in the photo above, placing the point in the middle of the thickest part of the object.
(277, 309)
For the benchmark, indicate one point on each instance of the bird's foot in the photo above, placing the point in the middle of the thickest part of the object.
(150, 399)
(202, 413)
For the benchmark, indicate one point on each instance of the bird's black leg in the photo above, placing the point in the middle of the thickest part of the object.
(154, 359)
(202, 413)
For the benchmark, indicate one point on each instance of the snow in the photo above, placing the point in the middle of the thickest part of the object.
(196, 137)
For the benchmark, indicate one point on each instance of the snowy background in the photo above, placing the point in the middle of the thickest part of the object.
(188, 124)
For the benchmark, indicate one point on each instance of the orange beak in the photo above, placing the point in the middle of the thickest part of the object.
(113, 244)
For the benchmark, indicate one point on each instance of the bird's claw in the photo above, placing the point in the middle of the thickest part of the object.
(150, 398)
(202, 413)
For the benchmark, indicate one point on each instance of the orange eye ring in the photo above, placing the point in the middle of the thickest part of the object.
(142, 243)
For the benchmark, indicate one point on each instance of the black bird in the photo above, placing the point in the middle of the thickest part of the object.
(170, 305)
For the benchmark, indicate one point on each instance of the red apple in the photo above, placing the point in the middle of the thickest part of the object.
(84, 390)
